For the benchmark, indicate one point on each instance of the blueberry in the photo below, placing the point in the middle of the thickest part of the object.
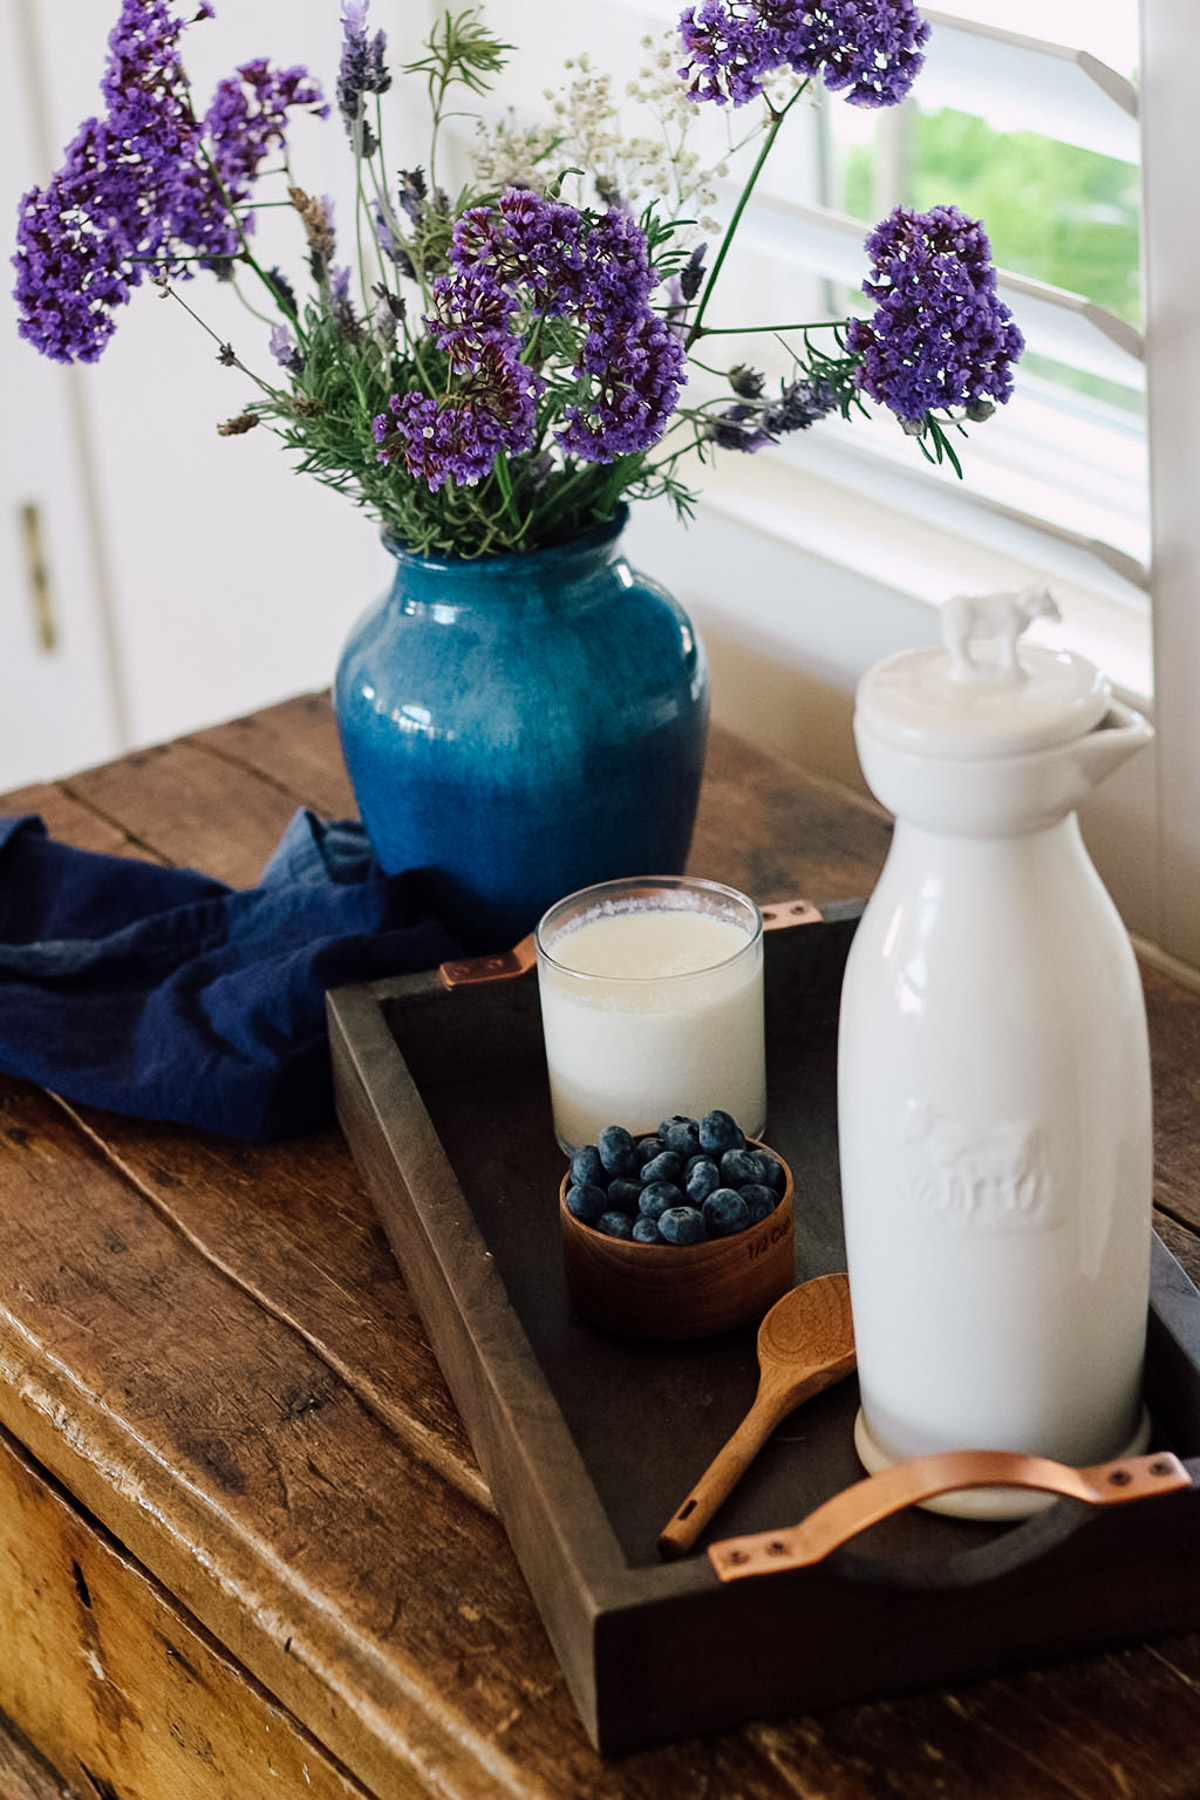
(648, 1148)
(740, 1166)
(773, 1174)
(680, 1134)
(718, 1133)
(725, 1213)
(586, 1202)
(657, 1197)
(682, 1225)
(645, 1231)
(760, 1201)
(617, 1150)
(615, 1224)
(667, 1167)
(701, 1179)
(623, 1195)
(586, 1167)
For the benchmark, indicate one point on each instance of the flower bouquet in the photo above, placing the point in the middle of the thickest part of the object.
(501, 367)
(494, 371)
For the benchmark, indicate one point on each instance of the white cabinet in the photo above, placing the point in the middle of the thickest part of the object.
(193, 577)
(58, 705)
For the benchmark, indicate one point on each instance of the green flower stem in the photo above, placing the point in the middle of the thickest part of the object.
(746, 330)
(504, 483)
(217, 339)
(248, 255)
(773, 131)
(263, 318)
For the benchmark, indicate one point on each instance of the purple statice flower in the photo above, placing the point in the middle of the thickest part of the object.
(564, 261)
(73, 252)
(940, 336)
(362, 71)
(137, 191)
(471, 309)
(869, 49)
(732, 51)
(495, 411)
(155, 139)
(248, 117)
(531, 258)
(637, 368)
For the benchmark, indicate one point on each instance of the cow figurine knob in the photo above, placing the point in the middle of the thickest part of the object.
(969, 621)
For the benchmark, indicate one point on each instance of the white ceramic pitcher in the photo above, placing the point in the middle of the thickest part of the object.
(993, 1068)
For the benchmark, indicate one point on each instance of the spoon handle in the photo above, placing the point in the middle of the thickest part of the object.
(772, 1403)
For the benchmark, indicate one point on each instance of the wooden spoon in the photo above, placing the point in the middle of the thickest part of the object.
(805, 1344)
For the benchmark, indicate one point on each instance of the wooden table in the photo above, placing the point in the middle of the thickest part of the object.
(245, 1548)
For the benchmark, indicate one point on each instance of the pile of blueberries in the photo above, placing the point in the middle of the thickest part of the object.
(686, 1183)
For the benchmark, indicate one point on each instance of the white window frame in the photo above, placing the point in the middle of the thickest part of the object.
(1147, 828)
(1171, 256)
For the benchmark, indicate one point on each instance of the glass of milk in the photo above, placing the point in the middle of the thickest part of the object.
(652, 1004)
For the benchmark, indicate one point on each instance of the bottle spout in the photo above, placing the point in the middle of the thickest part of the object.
(1120, 734)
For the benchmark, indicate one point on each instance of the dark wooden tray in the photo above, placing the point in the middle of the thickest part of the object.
(590, 1442)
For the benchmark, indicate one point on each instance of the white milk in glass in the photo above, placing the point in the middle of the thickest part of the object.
(650, 1010)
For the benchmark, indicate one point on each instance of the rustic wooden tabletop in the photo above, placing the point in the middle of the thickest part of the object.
(245, 1547)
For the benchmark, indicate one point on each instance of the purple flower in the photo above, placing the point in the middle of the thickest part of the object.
(362, 71)
(248, 116)
(751, 423)
(737, 429)
(414, 194)
(284, 350)
(869, 49)
(800, 404)
(137, 190)
(515, 265)
(940, 336)
(564, 260)
(71, 273)
(495, 411)
(637, 369)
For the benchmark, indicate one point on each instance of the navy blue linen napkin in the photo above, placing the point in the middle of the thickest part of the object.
(167, 995)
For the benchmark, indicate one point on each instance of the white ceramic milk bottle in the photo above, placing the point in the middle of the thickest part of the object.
(993, 1070)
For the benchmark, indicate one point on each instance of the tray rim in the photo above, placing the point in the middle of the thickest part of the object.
(580, 1572)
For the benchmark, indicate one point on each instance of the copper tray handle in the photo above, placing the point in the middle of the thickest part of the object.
(924, 1478)
(469, 971)
(785, 913)
(503, 966)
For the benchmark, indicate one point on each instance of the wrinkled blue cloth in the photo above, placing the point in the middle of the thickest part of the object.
(167, 995)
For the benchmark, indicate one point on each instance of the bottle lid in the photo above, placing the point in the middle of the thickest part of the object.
(982, 693)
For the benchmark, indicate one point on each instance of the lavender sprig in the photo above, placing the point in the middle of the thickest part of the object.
(362, 71)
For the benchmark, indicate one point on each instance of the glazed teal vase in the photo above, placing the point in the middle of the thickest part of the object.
(519, 727)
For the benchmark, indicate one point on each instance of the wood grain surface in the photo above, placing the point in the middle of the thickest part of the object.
(222, 1407)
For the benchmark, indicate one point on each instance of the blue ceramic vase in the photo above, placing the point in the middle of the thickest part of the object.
(518, 727)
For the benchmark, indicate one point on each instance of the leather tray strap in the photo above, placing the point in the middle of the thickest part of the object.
(924, 1478)
(469, 971)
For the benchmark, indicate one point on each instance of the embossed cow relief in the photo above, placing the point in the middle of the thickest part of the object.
(986, 1178)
